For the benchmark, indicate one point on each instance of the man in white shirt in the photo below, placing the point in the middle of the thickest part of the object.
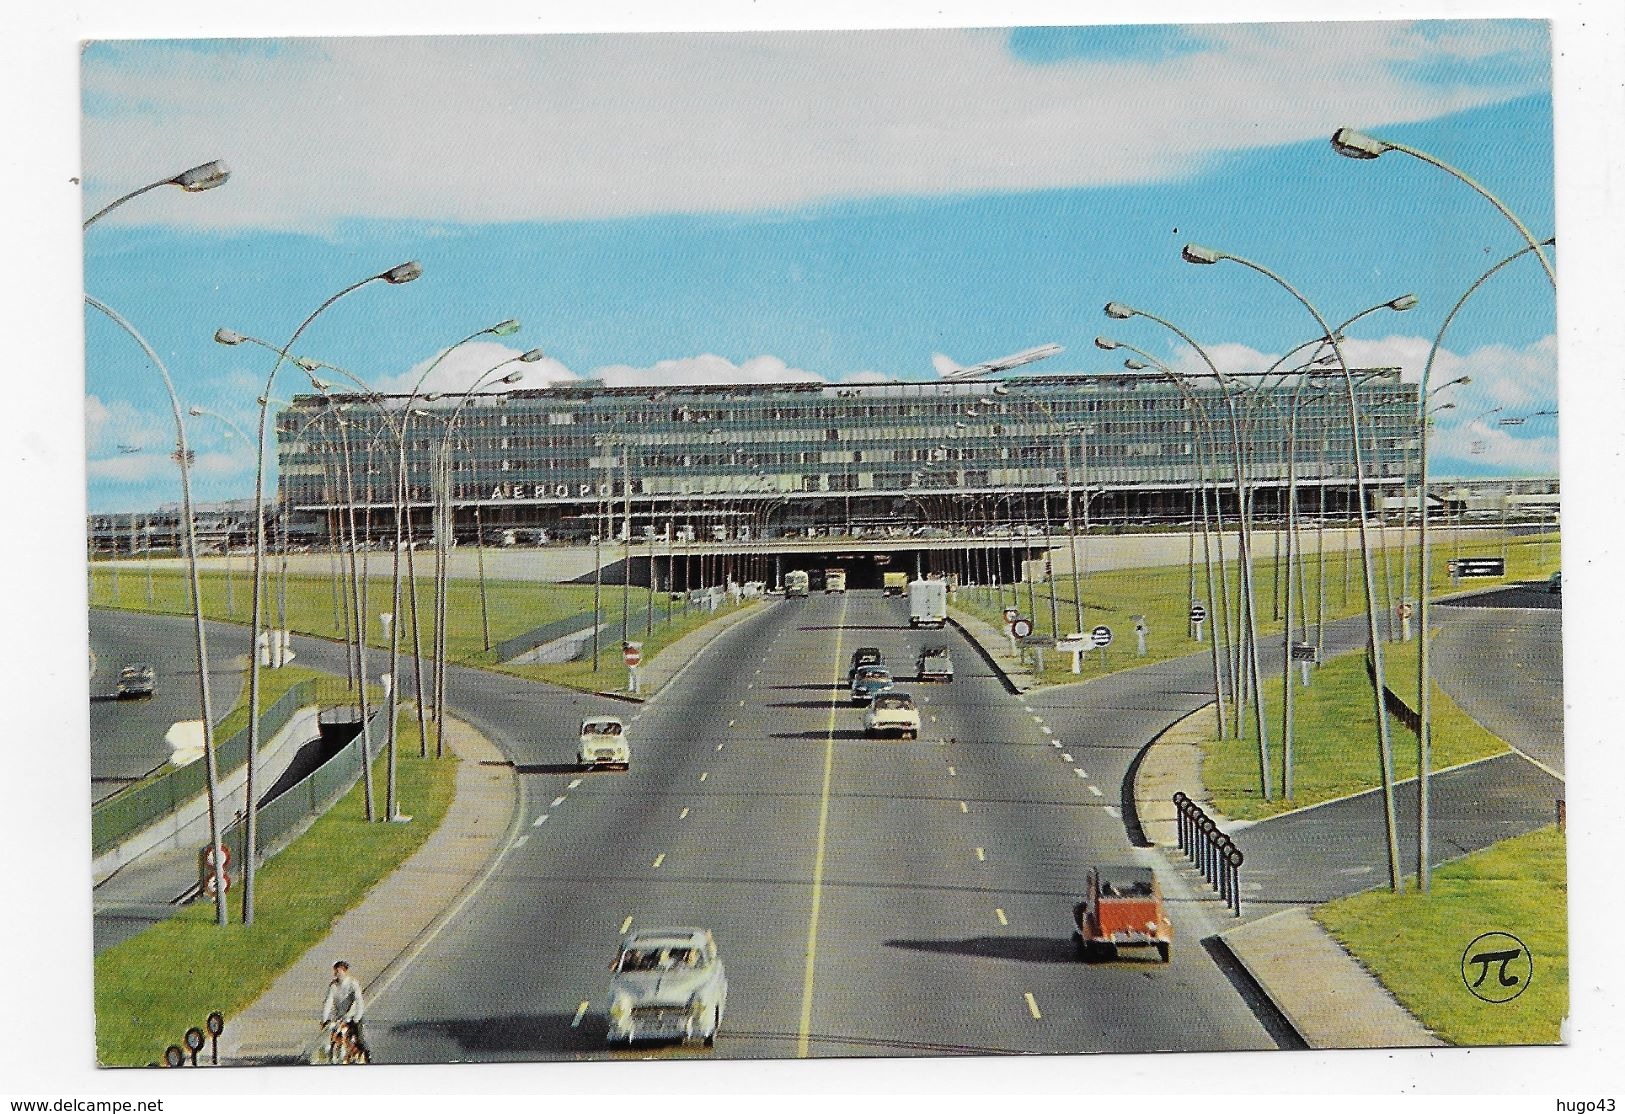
(345, 1003)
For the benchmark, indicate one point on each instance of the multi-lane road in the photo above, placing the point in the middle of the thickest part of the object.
(869, 897)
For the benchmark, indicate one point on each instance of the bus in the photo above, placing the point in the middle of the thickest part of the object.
(795, 583)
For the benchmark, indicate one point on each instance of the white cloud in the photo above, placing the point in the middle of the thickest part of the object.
(109, 425)
(483, 129)
(489, 361)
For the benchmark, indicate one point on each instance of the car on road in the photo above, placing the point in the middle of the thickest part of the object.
(667, 984)
(935, 663)
(869, 682)
(1122, 907)
(892, 712)
(862, 656)
(1554, 584)
(136, 680)
(603, 744)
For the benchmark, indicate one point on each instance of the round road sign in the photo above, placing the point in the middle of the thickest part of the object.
(1021, 628)
(633, 653)
(1198, 613)
(1011, 615)
(1403, 610)
(1101, 636)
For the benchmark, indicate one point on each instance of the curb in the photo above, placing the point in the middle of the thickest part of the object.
(987, 656)
(383, 932)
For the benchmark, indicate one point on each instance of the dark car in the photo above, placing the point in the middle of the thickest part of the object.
(862, 656)
(135, 680)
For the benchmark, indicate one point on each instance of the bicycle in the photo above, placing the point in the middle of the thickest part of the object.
(340, 1045)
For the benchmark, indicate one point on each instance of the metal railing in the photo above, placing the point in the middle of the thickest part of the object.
(1211, 851)
(115, 818)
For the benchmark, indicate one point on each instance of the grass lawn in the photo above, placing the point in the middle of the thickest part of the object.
(1414, 942)
(1334, 738)
(514, 608)
(1162, 595)
(611, 672)
(150, 988)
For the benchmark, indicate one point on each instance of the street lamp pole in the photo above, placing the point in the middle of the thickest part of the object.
(1194, 253)
(1118, 311)
(1356, 145)
(183, 456)
(395, 276)
(195, 180)
(1424, 680)
(1206, 476)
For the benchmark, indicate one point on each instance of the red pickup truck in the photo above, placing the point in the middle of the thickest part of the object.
(1122, 908)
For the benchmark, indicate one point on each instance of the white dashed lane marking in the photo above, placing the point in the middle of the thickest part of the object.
(1095, 789)
(539, 821)
(573, 784)
(557, 801)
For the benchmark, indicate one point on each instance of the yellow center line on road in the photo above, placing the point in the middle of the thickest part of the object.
(981, 856)
(625, 925)
(705, 774)
(660, 858)
(581, 1011)
(999, 913)
(1032, 1007)
(963, 807)
(805, 1030)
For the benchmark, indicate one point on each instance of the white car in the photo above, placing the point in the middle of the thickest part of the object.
(892, 711)
(603, 744)
(667, 984)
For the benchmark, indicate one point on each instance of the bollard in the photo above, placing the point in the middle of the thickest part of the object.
(174, 1056)
(1221, 848)
(216, 1024)
(1562, 815)
(194, 1042)
(1235, 859)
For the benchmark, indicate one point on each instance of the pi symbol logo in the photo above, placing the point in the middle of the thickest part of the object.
(1497, 967)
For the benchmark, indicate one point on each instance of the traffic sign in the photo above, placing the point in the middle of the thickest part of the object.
(1198, 613)
(1304, 651)
(632, 652)
(1479, 566)
(1403, 611)
(1021, 628)
(1011, 615)
(1101, 636)
(1072, 644)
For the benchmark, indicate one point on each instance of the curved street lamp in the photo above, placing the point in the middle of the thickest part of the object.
(183, 456)
(1206, 467)
(448, 527)
(1196, 253)
(395, 276)
(1120, 312)
(1357, 145)
(195, 180)
(1424, 691)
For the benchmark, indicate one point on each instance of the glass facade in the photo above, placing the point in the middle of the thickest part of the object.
(562, 455)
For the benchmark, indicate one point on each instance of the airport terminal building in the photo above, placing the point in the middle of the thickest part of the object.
(760, 460)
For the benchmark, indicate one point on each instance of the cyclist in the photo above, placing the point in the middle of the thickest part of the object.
(344, 1005)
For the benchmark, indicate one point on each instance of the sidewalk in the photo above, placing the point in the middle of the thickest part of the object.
(381, 933)
(1173, 764)
(993, 643)
(1320, 989)
(670, 661)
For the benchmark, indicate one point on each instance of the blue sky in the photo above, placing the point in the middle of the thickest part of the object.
(753, 206)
